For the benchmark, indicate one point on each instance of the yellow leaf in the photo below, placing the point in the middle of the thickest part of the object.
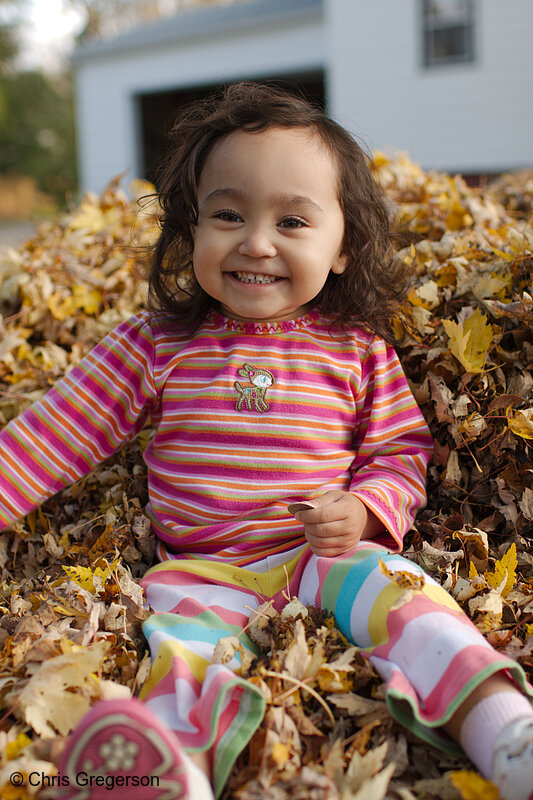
(502, 254)
(521, 422)
(60, 306)
(64, 541)
(334, 680)
(141, 188)
(87, 299)
(446, 275)
(473, 787)
(92, 219)
(426, 295)
(13, 749)
(85, 577)
(458, 217)
(491, 285)
(10, 339)
(469, 342)
(504, 576)
(69, 611)
(279, 754)
(379, 159)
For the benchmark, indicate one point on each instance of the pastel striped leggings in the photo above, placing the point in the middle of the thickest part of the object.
(425, 648)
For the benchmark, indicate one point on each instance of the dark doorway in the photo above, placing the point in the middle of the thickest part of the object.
(156, 112)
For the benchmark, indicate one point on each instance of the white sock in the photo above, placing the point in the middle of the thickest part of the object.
(513, 760)
(484, 723)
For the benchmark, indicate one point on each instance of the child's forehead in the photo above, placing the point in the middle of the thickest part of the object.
(290, 152)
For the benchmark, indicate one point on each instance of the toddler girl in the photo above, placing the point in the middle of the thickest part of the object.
(267, 373)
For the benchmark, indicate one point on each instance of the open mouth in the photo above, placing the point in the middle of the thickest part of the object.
(253, 277)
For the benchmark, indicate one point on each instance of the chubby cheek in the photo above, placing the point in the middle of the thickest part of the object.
(314, 281)
(204, 259)
(207, 253)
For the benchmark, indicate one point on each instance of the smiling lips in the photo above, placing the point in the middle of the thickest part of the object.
(252, 277)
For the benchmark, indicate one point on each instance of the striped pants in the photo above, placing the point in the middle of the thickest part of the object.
(425, 648)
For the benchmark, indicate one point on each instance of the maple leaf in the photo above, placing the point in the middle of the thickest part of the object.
(503, 576)
(90, 579)
(490, 285)
(293, 609)
(59, 693)
(367, 776)
(469, 342)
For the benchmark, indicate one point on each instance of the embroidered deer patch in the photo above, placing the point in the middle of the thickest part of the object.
(252, 394)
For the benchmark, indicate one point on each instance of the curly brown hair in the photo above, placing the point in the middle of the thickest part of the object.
(371, 288)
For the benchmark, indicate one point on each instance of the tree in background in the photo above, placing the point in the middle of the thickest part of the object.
(37, 131)
(36, 117)
(109, 17)
(37, 138)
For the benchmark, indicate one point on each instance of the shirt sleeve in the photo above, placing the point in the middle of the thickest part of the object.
(88, 415)
(392, 442)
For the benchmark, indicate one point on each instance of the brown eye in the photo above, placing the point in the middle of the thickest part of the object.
(228, 216)
(292, 222)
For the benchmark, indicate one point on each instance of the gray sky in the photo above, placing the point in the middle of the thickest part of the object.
(47, 34)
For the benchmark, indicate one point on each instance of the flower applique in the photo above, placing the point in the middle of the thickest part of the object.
(252, 394)
(119, 754)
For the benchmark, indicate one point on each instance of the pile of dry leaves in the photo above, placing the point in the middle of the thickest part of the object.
(71, 608)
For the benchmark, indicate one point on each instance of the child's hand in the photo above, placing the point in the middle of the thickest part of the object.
(338, 521)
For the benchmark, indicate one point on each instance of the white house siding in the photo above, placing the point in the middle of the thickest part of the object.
(475, 117)
(107, 85)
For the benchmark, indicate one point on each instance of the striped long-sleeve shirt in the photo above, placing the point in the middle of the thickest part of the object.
(248, 418)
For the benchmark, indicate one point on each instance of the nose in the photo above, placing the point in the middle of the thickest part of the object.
(257, 243)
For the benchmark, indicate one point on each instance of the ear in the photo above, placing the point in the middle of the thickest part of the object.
(340, 264)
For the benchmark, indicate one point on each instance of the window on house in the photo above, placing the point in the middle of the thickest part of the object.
(448, 31)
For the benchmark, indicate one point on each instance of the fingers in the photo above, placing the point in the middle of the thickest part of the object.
(335, 523)
(331, 538)
(330, 530)
(331, 547)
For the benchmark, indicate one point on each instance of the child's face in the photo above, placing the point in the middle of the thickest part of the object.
(270, 227)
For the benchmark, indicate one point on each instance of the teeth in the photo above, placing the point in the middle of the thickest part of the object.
(252, 277)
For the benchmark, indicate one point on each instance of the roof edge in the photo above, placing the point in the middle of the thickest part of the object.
(202, 23)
